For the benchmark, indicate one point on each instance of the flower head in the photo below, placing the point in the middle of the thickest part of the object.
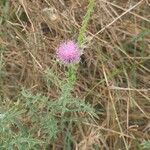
(68, 52)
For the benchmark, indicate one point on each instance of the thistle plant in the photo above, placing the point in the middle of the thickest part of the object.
(68, 53)
(47, 117)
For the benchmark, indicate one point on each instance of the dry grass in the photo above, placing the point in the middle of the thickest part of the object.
(113, 75)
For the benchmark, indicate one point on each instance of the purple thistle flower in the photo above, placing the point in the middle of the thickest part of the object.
(68, 52)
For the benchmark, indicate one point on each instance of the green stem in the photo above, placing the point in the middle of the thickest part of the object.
(86, 18)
